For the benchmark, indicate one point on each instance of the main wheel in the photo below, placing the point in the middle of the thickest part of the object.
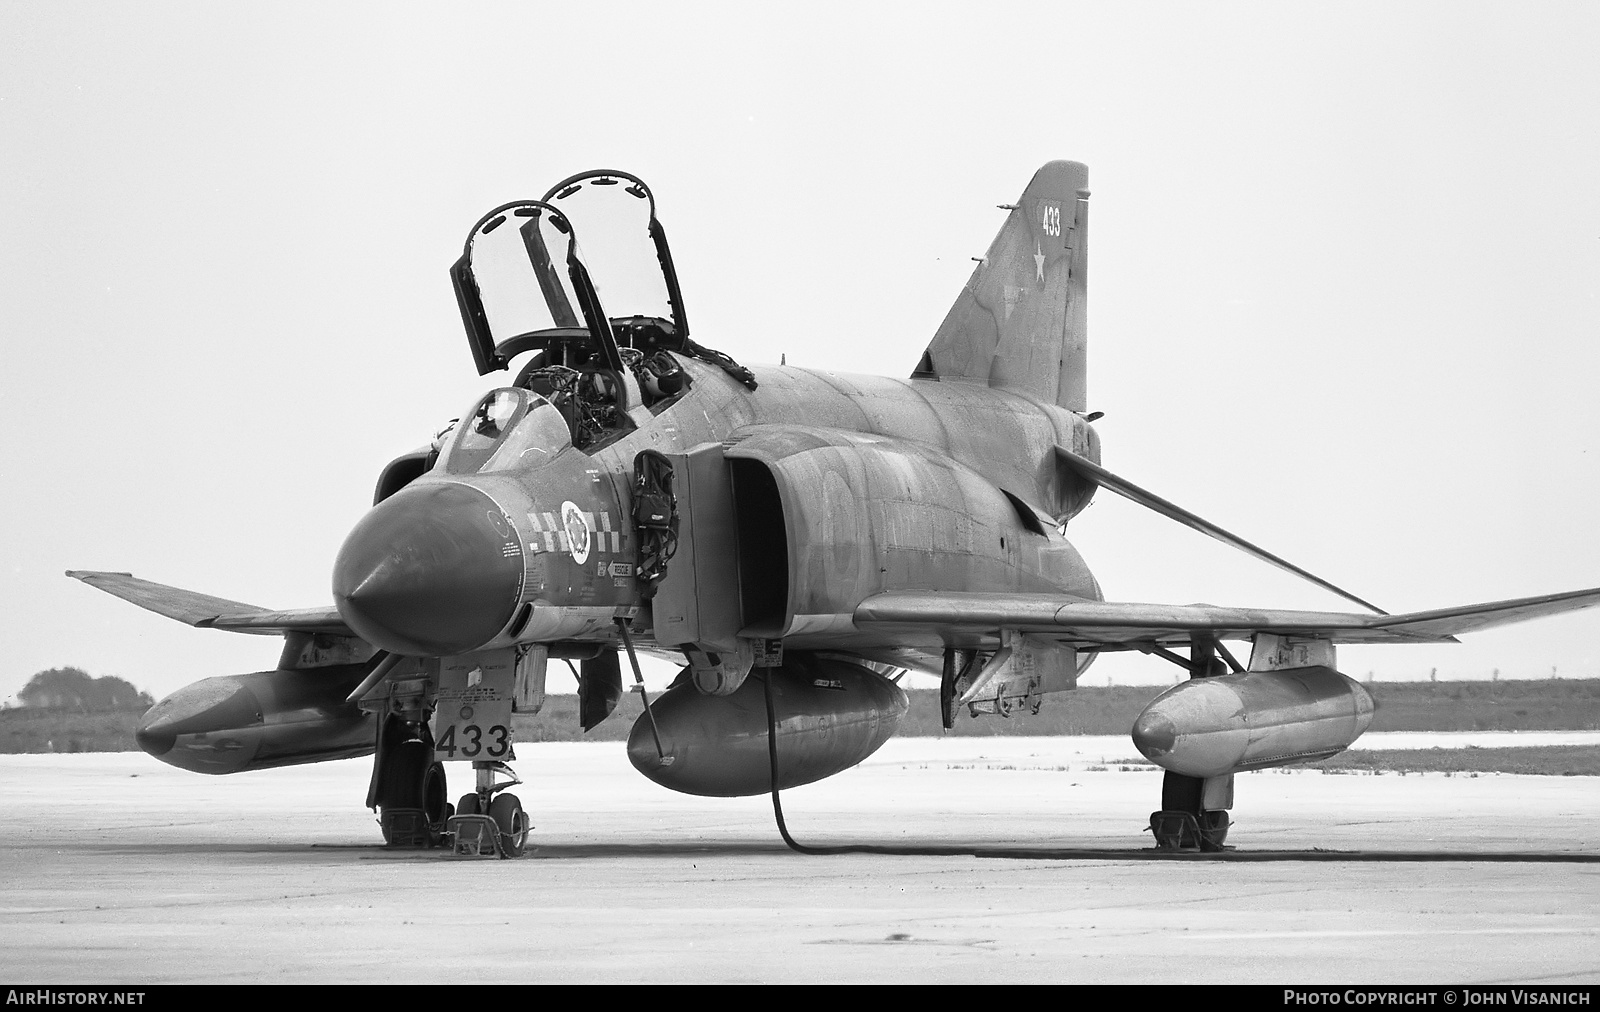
(436, 802)
(1181, 794)
(507, 813)
(405, 777)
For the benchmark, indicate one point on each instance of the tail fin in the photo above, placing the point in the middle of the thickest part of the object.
(1021, 321)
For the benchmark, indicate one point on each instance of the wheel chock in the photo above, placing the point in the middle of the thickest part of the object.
(474, 836)
(406, 828)
(1175, 830)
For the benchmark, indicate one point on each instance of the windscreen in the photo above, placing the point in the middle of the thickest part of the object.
(507, 427)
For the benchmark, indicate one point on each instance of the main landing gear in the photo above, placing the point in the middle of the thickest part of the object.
(408, 787)
(1185, 821)
(488, 823)
(1194, 810)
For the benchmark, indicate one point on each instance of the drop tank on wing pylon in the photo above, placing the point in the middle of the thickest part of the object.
(1211, 727)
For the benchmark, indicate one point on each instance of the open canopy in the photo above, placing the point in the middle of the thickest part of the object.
(626, 251)
(522, 286)
(524, 282)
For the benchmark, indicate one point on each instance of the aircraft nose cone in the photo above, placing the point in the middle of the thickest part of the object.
(431, 571)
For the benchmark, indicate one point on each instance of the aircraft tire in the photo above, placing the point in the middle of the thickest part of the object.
(468, 805)
(506, 811)
(436, 802)
(1180, 793)
(408, 773)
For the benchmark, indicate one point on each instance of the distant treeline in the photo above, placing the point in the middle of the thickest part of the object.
(77, 690)
(1546, 705)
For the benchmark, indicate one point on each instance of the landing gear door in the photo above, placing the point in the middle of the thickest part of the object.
(472, 717)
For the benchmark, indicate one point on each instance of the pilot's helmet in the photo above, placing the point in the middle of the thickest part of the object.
(663, 376)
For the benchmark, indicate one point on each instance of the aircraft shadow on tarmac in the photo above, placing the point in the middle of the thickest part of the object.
(756, 847)
(732, 848)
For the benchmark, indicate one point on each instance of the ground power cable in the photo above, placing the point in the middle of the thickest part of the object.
(777, 804)
(852, 848)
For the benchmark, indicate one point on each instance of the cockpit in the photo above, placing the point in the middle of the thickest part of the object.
(508, 428)
(525, 284)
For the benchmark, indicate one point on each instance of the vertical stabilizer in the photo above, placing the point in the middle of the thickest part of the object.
(1020, 322)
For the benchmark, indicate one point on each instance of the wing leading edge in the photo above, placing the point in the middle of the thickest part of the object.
(1108, 623)
(206, 612)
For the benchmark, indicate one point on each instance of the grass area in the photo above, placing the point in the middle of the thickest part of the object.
(1544, 760)
(1545, 705)
(1531, 760)
(1553, 704)
(30, 730)
(1549, 704)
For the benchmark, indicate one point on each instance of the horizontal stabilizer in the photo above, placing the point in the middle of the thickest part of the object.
(206, 612)
(1090, 624)
(1091, 472)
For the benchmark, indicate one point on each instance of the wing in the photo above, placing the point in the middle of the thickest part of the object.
(1108, 624)
(206, 612)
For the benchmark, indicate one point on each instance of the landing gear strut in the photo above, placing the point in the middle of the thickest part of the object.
(488, 823)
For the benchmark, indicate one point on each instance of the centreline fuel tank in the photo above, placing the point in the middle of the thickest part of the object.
(1208, 727)
(831, 714)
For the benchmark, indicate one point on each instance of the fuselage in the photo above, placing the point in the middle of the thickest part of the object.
(884, 484)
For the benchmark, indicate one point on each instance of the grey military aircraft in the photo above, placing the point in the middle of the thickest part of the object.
(794, 537)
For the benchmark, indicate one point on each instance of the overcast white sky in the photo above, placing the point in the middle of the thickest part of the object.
(1343, 295)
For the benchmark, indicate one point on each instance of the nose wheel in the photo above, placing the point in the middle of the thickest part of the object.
(513, 823)
(489, 822)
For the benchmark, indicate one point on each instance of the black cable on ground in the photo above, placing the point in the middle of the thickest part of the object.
(772, 773)
(855, 848)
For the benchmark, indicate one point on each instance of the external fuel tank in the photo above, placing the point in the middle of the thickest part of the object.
(1210, 727)
(831, 714)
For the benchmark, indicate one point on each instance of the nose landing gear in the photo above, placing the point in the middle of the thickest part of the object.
(488, 823)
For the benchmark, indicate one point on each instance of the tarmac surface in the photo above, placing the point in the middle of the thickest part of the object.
(1030, 863)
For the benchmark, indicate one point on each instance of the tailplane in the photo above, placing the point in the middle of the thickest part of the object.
(1021, 321)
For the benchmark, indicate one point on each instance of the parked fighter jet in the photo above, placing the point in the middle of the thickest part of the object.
(793, 536)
